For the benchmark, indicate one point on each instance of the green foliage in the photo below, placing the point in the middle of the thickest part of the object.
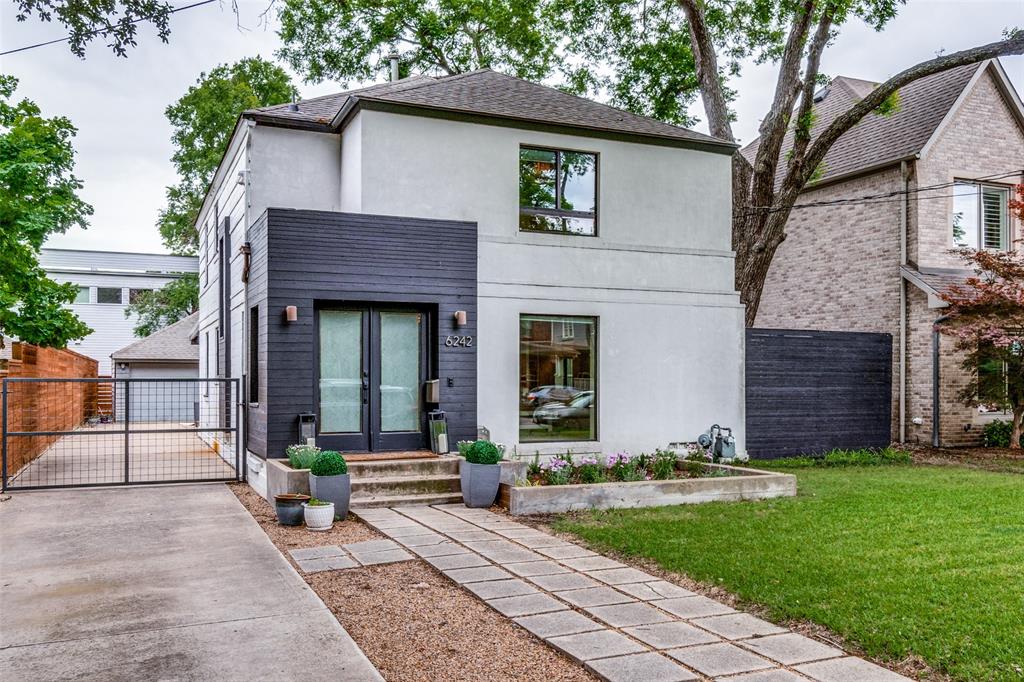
(839, 458)
(898, 561)
(38, 198)
(890, 106)
(481, 452)
(328, 463)
(532, 469)
(591, 472)
(996, 434)
(317, 502)
(160, 307)
(663, 465)
(301, 456)
(116, 21)
(202, 122)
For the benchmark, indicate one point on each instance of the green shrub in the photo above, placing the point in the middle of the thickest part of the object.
(590, 470)
(482, 452)
(314, 502)
(301, 456)
(328, 463)
(844, 458)
(663, 465)
(996, 434)
(533, 468)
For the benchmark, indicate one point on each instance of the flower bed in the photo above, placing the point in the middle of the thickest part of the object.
(624, 481)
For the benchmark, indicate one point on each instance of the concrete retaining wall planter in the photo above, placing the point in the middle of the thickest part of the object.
(747, 484)
(281, 478)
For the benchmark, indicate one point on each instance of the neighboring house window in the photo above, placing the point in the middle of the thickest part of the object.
(557, 379)
(980, 216)
(568, 329)
(83, 295)
(133, 294)
(202, 249)
(108, 295)
(557, 191)
(254, 348)
(221, 289)
(206, 362)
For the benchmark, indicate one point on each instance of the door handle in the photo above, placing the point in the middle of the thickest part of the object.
(366, 390)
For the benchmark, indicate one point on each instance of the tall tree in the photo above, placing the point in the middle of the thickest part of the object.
(652, 57)
(115, 21)
(38, 198)
(202, 121)
(986, 319)
(160, 307)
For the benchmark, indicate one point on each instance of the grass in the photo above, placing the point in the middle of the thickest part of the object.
(899, 560)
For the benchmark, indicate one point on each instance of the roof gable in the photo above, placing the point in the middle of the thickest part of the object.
(173, 343)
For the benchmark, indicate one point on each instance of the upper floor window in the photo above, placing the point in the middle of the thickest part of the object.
(134, 294)
(980, 216)
(557, 191)
(108, 295)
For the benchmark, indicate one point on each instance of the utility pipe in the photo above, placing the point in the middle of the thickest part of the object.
(935, 379)
(904, 210)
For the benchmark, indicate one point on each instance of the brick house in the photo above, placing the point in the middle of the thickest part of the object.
(939, 171)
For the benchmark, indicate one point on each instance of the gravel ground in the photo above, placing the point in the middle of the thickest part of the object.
(413, 623)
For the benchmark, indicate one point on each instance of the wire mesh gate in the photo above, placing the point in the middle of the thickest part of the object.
(64, 433)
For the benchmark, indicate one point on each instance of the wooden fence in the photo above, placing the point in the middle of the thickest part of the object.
(43, 406)
(809, 392)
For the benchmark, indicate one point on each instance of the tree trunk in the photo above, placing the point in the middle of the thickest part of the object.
(1018, 427)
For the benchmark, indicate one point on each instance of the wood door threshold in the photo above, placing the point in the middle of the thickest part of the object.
(387, 456)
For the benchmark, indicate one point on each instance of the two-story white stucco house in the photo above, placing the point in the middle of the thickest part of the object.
(108, 281)
(560, 268)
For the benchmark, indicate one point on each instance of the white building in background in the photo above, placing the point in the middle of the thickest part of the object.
(108, 281)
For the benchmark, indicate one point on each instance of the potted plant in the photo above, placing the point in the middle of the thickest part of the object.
(480, 472)
(289, 508)
(318, 514)
(329, 480)
(301, 456)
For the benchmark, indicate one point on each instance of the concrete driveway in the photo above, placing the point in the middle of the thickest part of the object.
(159, 583)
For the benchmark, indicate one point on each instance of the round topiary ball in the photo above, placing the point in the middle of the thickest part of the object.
(483, 452)
(328, 463)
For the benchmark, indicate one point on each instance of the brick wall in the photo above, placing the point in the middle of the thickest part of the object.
(45, 406)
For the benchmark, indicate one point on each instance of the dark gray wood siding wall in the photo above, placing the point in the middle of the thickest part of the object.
(256, 296)
(311, 258)
(809, 392)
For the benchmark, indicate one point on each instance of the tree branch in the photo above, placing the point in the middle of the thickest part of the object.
(819, 148)
(711, 91)
(802, 136)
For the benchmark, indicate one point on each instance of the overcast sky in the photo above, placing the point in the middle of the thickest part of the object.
(123, 140)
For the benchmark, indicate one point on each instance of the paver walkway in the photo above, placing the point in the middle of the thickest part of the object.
(623, 624)
(161, 583)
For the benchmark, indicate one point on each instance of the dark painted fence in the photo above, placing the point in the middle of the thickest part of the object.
(810, 392)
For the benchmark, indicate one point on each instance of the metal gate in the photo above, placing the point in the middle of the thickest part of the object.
(72, 433)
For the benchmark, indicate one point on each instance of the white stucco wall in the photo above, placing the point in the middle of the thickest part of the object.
(659, 275)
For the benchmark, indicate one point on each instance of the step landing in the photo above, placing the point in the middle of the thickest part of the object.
(397, 482)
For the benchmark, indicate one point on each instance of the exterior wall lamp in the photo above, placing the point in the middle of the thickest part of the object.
(291, 313)
(460, 318)
(307, 428)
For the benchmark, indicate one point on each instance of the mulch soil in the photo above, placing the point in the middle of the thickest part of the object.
(991, 459)
(412, 622)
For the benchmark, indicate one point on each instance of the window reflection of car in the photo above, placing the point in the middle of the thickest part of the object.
(540, 395)
(576, 411)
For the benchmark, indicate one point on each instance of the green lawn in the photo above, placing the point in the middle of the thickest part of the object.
(898, 559)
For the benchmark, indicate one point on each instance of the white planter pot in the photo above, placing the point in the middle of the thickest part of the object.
(320, 517)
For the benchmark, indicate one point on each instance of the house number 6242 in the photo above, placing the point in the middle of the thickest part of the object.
(457, 341)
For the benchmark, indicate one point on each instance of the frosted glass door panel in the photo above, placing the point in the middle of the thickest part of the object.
(341, 366)
(399, 371)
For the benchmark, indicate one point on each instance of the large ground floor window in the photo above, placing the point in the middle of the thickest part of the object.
(557, 378)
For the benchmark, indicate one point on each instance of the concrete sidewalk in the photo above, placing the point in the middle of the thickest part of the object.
(175, 582)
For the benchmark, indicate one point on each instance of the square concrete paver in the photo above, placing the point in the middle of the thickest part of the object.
(587, 646)
(405, 531)
(846, 669)
(443, 549)
(618, 576)
(791, 648)
(476, 575)
(566, 551)
(777, 675)
(671, 635)
(372, 546)
(538, 541)
(559, 582)
(719, 659)
(475, 535)
(389, 556)
(693, 607)
(450, 561)
(628, 615)
(495, 589)
(316, 552)
(526, 605)
(594, 596)
(547, 625)
(503, 552)
(327, 563)
(738, 626)
(420, 540)
(532, 568)
(592, 563)
(640, 668)
(659, 589)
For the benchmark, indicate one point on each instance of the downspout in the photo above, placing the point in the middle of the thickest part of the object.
(935, 379)
(904, 211)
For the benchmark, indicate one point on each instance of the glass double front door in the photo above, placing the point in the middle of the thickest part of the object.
(373, 363)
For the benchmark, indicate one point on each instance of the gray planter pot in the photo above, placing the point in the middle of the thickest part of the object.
(336, 489)
(479, 483)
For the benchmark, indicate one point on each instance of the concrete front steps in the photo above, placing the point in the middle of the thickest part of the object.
(397, 482)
